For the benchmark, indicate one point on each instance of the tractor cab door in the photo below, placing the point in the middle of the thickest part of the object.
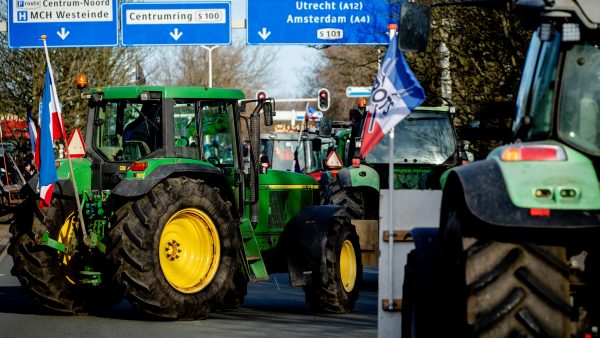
(123, 131)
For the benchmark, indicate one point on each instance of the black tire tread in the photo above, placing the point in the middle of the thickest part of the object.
(38, 268)
(505, 290)
(135, 243)
(331, 296)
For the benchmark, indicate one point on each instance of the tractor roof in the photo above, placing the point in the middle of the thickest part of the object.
(180, 92)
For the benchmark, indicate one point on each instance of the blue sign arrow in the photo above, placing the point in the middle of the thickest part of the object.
(74, 23)
(184, 23)
(320, 22)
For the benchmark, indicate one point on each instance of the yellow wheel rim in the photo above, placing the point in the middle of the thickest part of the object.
(65, 236)
(348, 266)
(189, 250)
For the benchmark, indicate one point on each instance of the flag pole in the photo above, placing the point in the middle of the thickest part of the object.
(390, 226)
(63, 135)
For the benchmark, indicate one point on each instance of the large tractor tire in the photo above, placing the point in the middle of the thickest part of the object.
(352, 201)
(175, 250)
(49, 276)
(514, 289)
(339, 292)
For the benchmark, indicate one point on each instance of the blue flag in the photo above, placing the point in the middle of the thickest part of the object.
(47, 167)
(396, 92)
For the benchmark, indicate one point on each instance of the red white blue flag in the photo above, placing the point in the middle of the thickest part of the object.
(47, 168)
(396, 92)
(33, 134)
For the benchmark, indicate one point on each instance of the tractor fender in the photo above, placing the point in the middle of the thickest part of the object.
(479, 189)
(131, 188)
(62, 188)
(139, 187)
(361, 176)
(303, 242)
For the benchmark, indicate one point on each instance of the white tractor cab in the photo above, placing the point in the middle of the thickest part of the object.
(292, 151)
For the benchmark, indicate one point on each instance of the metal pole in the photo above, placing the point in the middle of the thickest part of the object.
(391, 208)
(209, 49)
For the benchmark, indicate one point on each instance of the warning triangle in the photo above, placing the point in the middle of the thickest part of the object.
(333, 160)
(75, 145)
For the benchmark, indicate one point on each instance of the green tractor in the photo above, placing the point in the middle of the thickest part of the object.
(425, 146)
(516, 251)
(176, 215)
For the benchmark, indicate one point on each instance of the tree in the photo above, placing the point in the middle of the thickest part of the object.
(235, 66)
(344, 66)
(22, 76)
(487, 50)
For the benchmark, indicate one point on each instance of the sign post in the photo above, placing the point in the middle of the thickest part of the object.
(320, 22)
(76, 23)
(176, 23)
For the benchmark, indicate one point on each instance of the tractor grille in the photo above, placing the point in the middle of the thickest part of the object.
(278, 200)
(278, 210)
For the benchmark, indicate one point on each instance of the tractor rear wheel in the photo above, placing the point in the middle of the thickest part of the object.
(339, 292)
(517, 289)
(49, 276)
(175, 250)
(352, 201)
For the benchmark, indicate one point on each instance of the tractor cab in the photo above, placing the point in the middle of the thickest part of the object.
(138, 124)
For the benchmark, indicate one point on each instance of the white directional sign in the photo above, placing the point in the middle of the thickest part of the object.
(66, 23)
(176, 23)
(358, 91)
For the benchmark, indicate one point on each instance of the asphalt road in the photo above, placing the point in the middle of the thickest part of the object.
(271, 309)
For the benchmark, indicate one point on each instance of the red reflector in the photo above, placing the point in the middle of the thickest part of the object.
(316, 175)
(139, 166)
(533, 153)
(539, 212)
(56, 164)
(356, 162)
(538, 154)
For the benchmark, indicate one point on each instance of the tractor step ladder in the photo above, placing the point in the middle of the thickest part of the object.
(256, 264)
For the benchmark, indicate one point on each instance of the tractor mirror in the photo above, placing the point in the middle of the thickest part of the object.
(268, 113)
(415, 23)
(316, 144)
(325, 127)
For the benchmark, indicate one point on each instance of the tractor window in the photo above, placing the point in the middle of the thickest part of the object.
(542, 95)
(217, 132)
(421, 138)
(579, 115)
(185, 141)
(127, 130)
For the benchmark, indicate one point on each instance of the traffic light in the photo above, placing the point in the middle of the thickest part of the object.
(261, 95)
(323, 99)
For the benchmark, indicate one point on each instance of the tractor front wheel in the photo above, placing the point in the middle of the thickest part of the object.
(175, 250)
(51, 277)
(338, 290)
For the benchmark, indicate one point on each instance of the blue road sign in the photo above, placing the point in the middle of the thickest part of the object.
(66, 23)
(320, 22)
(183, 23)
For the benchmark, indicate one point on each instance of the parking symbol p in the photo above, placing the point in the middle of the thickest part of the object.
(20, 3)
